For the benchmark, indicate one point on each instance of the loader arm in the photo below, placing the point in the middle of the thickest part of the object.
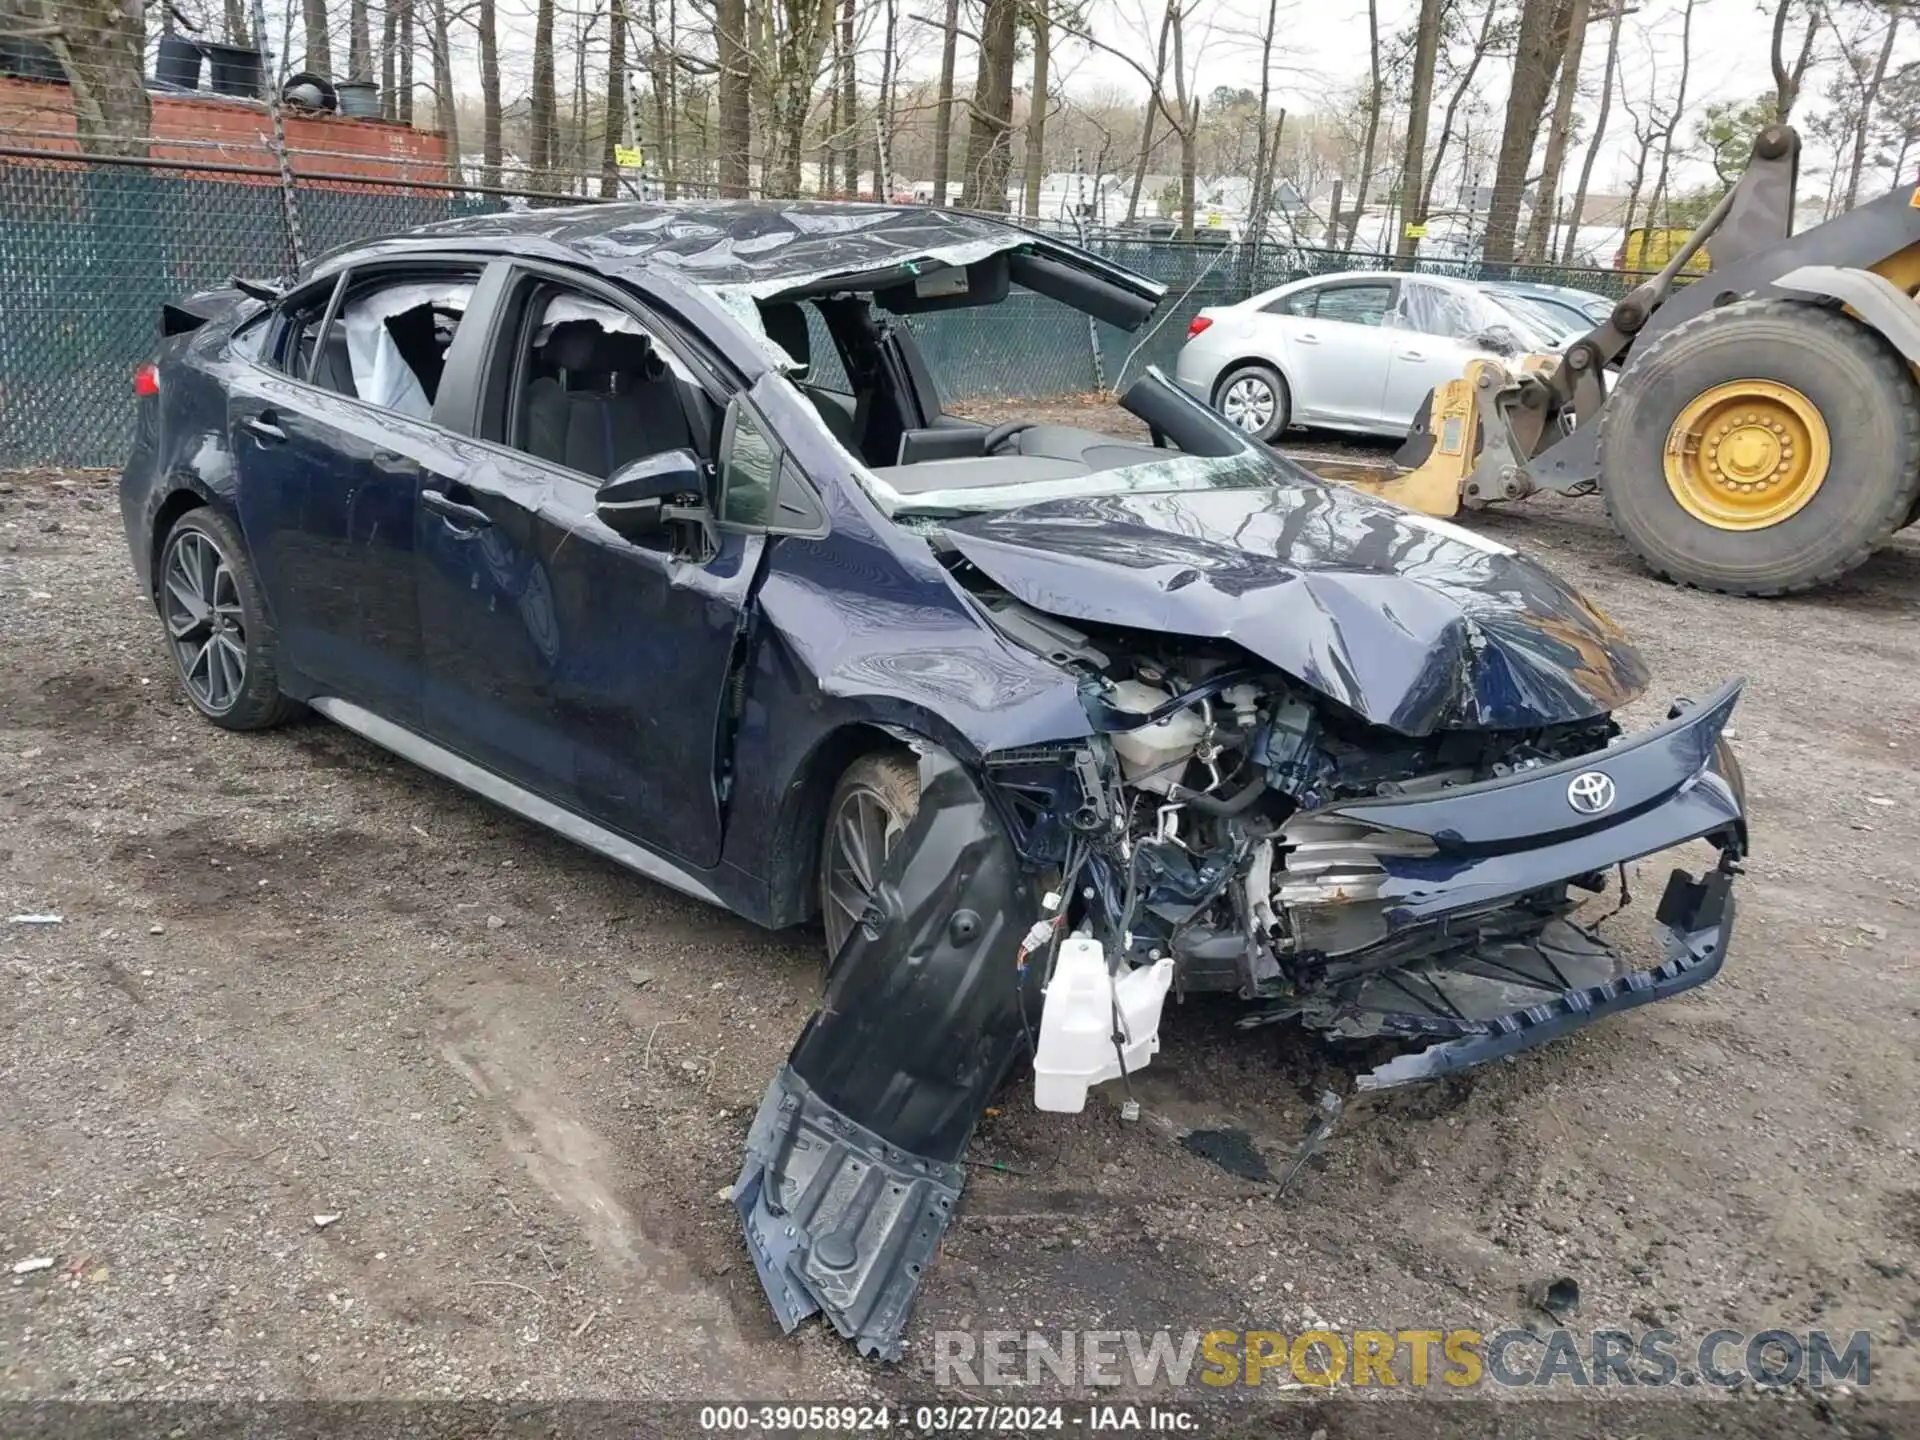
(1519, 430)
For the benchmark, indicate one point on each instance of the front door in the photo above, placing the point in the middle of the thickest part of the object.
(579, 665)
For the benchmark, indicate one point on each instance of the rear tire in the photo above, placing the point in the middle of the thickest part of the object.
(1867, 403)
(871, 807)
(218, 630)
(1254, 399)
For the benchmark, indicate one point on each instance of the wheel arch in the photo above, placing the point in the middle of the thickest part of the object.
(183, 497)
(1876, 302)
(793, 853)
(1265, 361)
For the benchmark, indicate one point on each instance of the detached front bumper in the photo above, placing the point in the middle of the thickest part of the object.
(1495, 844)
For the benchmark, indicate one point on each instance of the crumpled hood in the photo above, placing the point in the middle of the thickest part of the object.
(1414, 623)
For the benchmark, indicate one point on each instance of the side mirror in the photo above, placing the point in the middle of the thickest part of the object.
(641, 497)
(1497, 338)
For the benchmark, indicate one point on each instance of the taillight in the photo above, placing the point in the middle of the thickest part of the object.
(146, 379)
(1197, 324)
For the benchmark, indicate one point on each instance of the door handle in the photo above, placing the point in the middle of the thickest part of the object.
(466, 518)
(1308, 339)
(1413, 354)
(263, 427)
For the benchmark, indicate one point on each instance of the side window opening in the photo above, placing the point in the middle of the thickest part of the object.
(594, 389)
(388, 345)
(1356, 304)
(1299, 304)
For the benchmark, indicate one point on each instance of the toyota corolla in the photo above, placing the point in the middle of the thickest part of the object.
(650, 524)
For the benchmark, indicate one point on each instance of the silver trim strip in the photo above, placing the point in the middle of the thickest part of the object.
(469, 776)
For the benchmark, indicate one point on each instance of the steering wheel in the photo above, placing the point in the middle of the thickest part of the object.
(1000, 434)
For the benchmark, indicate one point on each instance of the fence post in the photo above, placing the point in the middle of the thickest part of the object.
(289, 201)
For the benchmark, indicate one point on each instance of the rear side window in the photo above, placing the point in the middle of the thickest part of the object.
(1299, 303)
(1355, 304)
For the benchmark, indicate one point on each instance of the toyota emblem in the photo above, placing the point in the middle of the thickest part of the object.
(1590, 792)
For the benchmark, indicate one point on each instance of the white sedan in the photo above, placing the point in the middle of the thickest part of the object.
(1354, 351)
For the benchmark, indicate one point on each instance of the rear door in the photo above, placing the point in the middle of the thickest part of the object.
(1338, 354)
(331, 434)
(1430, 346)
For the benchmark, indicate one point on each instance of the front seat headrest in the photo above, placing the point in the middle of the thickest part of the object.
(571, 343)
(786, 326)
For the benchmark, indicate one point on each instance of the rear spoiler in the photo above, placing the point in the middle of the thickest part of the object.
(192, 311)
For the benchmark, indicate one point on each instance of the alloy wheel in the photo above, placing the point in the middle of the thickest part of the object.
(860, 835)
(1248, 403)
(205, 624)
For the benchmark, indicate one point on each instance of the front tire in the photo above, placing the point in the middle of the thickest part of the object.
(218, 631)
(1762, 448)
(1254, 399)
(871, 807)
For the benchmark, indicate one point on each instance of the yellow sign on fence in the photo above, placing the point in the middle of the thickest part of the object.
(629, 157)
(1416, 232)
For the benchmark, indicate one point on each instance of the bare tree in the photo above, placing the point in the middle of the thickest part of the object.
(1040, 22)
(989, 147)
(734, 83)
(1538, 46)
(490, 145)
(359, 42)
(1187, 101)
(1657, 205)
(237, 31)
(446, 116)
(1376, 102)
(1539, 243)
(319, 52)
(1155, 82)
(1266, 145)
(790, 44)
(883, 104)
(389, 53)
(1413, 201)
(403, 100)
(849, 101)
(616, 103)
(1463, 84)
(1645, 134)
(1616, 10)
(1787, 76)
(101, 46)
(542, 147)
(1863, 115)
(943, 106)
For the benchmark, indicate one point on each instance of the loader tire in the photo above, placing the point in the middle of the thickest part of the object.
(1696, 528)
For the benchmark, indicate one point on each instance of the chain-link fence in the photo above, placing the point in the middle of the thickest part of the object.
(89, 251)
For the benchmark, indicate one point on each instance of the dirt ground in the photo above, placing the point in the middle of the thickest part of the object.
(295, 977)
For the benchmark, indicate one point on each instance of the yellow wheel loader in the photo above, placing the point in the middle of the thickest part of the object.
(1756, 431)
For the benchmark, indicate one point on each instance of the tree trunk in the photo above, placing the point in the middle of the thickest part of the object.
(1599, 134)
(446, 117)
(1042, 25)
(319, 51)
(1153, 114)
(389, 46)
(359, 42)
(943, 105)
(1461, 86)
(1559, 131)
(849, 104)
(1787, 78)
(541, 100)
(236, 26)
(101, 45)
(1376, 101)
(989, 135)
(490, 146)
(1260, 200)
(736, 118)
(1865, 118)
(616, 120)
(793, 81)
(1536, 58)
(1189, 111)
(1657, 205)
(883, 109)
(1413, 199)
(403, 102)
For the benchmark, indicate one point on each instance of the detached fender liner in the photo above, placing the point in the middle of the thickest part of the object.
(853, 1164)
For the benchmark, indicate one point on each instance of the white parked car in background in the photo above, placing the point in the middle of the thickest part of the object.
(1355, 351)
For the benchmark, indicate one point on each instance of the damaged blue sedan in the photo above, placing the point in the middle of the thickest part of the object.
(650, 524)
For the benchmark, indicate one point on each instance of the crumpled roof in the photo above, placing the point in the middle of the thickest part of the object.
(757, 247)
